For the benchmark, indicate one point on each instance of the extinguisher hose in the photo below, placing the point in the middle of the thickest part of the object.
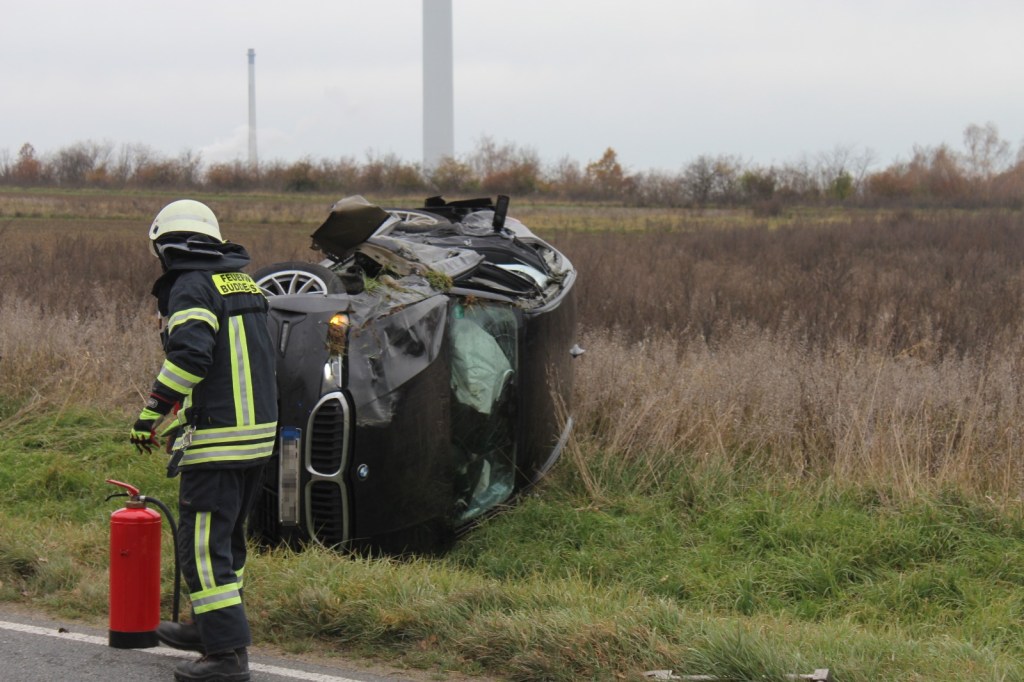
(177, 564)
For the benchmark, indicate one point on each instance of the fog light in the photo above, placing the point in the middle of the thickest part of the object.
(332, 372)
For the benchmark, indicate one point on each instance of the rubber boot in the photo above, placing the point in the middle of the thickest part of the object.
(225, 666)
(180, 636)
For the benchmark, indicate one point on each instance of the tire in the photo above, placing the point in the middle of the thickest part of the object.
(297, 277)
(414, 218)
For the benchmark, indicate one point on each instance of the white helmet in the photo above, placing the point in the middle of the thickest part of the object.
(184, 215)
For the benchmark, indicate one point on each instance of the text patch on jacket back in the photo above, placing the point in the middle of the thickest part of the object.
(235, 283)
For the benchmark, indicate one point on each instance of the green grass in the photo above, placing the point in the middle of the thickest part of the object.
(706, 572)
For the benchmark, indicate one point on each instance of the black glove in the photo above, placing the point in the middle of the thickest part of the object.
(143, 434)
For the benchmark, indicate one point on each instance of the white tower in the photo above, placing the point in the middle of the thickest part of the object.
(253, 162)
(438, 83)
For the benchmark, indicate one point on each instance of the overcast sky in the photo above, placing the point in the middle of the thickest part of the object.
(661, 81)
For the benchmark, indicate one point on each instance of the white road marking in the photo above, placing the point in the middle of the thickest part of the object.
(173, 653)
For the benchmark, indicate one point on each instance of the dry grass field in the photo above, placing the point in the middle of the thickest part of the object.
(881, 347)
(887, 350)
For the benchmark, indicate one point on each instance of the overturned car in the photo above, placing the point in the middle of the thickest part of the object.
(424, 371)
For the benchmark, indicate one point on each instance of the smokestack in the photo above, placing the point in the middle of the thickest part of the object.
(438, 83)
(253, 162)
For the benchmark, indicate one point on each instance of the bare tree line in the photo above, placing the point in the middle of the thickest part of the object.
(984, 172)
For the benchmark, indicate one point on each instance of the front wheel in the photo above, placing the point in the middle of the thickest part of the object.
(297, 277)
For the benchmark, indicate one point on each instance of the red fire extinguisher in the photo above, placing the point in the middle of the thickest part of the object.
(135, 571)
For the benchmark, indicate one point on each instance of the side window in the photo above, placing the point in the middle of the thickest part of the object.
(485, 362)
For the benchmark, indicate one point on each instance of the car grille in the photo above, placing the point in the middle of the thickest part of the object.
(328, 438)
(327, 443)
(327, 507)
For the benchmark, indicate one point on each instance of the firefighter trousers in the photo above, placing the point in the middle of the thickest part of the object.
(213, 505)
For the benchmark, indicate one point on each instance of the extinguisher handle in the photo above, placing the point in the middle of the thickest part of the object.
(132, 490)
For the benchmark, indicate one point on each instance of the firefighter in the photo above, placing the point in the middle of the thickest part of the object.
(218, 379)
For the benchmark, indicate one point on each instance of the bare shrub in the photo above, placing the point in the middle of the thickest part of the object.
(568, 179)
(606, 177)
(980, 176)
(987, 153)
(28, 170)
(81, 163)
(709, 179)
(228, 176)
(657, 188)
(388, 173)
(506, 168)
(453, 176)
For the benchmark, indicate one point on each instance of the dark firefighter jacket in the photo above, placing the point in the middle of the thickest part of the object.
(219, 356)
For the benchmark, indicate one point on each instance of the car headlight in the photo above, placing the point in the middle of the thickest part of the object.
(337, 330)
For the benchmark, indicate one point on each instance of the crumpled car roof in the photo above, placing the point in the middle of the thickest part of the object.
(462, 247)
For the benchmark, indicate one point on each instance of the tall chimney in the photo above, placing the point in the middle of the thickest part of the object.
(253, 161)
(438, 83)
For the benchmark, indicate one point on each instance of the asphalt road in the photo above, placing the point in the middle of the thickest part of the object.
(42, 649)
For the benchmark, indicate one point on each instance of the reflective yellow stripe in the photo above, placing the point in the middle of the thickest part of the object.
(216, 598)
(227, 453)
(177, 379)
(202, 550)
(240, 573)
(241, 374)
(206, 441)
(201, 314)
(150, 414)
(234, 433)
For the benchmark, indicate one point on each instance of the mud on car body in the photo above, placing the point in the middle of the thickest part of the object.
(424, 375)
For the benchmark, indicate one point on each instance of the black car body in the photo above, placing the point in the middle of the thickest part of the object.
(424, 375)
